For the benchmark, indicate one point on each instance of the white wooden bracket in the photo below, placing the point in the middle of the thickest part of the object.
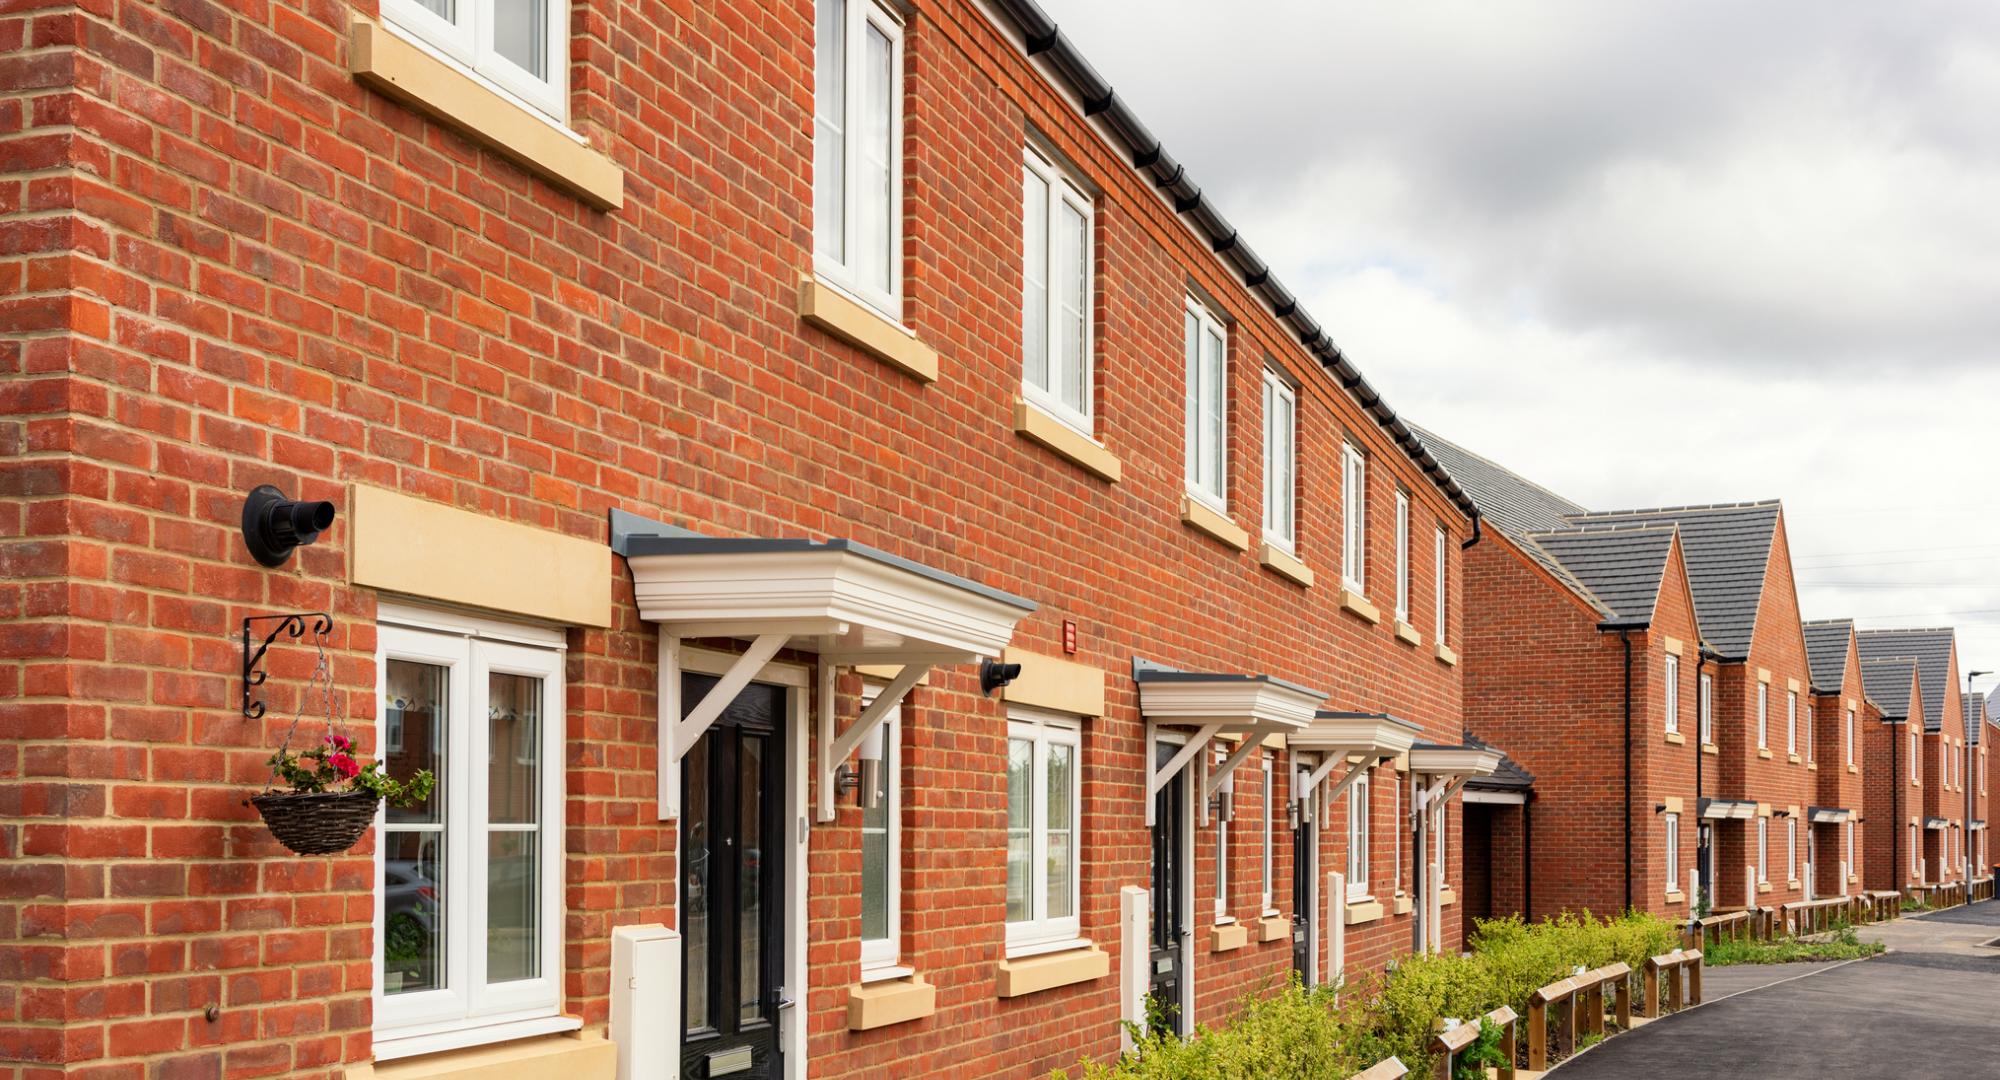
(1159, 776)
(678, 734)
(1335, 758)
(1220, 774)
(834, 749)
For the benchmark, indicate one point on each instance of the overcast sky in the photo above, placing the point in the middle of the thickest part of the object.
(1676, 252)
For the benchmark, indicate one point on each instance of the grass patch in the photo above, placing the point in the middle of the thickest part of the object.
(1841, 944)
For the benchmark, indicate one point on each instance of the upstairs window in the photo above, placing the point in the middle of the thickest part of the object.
(1763, 716)
(1792, 722)
(1811, 732)
(1281, 462)
(1673, 693)
(857, 160)
(1916, 769)
(1206, 346)
(1703, 703)
(518, 46)
(1055, 298)
(1850, 736)
(1402, 556)
(1354, 517)
(1437, 587)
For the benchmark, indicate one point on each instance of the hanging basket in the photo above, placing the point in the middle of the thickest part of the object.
(317, 822)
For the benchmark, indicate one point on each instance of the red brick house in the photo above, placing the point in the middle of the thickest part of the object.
(714, 405)
(1893, 777)
(1837, 721)
(1939, 745)
(1977, 785)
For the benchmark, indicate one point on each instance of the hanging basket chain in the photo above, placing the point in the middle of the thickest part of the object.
(322, 679)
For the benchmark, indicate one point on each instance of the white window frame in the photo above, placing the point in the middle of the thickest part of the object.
(1916, 757)
(1763, 850)
(1763, 716)
(1358, 838)
(1792, 722)
(1440, 826)
(1281, 462)
(1044, 730)
(466, 42)
(1226, 807)
(1850, 736)
(1354, 518)
(885, 952)
(1402, 556)
(840, 272)
(1198, 324)
(1270, 865)
(1850, 849)
(1063, 191)
(1438, 584)
(1705, 707)
(466, 1010)
(1812, 732)
(1673, 693)
(1916, 853)
(1792, 848)
(1673, 823)
(1396, 849)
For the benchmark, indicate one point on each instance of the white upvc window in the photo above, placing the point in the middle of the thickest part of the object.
(1672, 692)
(1397, 783)
(1270, 872)
(882, 854)
(1705, 707)
(1850, 736)
(1044, 790)
(519, 47)
(1357, 839)
(1438, 586)
(857, 151)
(1673, 824)
(1812, 731)
(1763, 849)
(1354, 518)
(1225, 809)
(1440, 825)
(1205, 347)
(1402, 556)
(1792, 848)
(1763, 716)
(1281, 462)
(1916, 761)
(469, 903)
(1944, 763)
(1056, 260)
(1848, 866)
(1916, 857)
(1791, 722)
(1982, 770)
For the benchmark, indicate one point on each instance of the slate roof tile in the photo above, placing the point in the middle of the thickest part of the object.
(1930, 647)
(1826, 652)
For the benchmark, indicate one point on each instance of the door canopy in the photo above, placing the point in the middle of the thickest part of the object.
(1254, 707)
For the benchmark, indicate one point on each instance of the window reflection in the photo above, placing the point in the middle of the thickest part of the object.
(413, 841)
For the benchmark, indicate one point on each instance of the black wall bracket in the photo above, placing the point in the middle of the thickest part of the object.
(293, 624)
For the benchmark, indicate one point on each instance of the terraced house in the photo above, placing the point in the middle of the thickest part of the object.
(886, 578)
(1839, 718)
(1935, 825)
(1977, 786)
(1893, 777)
(1648, 668)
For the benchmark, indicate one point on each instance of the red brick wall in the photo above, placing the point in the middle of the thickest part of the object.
(1891, 800)
(1838, 784)
(230, 264)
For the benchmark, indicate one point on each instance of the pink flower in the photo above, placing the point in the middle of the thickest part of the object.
(339, 742)
(344, 765)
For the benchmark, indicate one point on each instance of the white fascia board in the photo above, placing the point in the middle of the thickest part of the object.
(1355, 735)
(1242, 706)
(1454, 761)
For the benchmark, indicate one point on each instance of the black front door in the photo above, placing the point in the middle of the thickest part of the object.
(1169, 921)
(732, 861)
(1303, 908)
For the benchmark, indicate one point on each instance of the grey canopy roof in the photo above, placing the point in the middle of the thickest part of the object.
(1826, 652)
(1930, 647)
(1619, 568)
(1727, 548)
(1887, 683)
(1510, 776)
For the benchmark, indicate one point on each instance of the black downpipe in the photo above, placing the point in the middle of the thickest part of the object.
(1626, 637)
(1701, 661)
(1528, 858)
(1895, 811)
(1476, 534)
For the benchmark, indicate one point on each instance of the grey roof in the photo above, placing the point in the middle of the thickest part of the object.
(1727, 548)
(1931, 648)
(1620, 569)
(1826, 652)
(1887, 683)
(1975, 717)
(681, 543)
(1505, 498)
(1510, 776)
(1146, 671)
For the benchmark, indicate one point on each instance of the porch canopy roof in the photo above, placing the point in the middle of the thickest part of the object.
(1361, 739)
(1937, 823)
(1727, 809)
(1826, 815)
(1463, 761)
(1255, 707)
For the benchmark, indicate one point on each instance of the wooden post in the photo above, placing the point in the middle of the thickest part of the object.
(1392, 1069)
(1674, 999)
(1651, 1005)
(1694, 966)
(1624, 999)
(1538, 1032)
(1566, 1019)
(1509, 1028)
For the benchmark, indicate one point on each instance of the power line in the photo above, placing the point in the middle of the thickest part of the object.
(1897, 551)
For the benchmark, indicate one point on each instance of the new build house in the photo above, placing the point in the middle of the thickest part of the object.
(1893, 777)
(1649, 669)
(1838, 719)
(886, 579)
(1935, 749)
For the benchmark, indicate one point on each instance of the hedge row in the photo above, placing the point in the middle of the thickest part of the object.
(1318, 1033)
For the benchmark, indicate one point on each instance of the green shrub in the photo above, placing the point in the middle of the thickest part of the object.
(1296, 1032)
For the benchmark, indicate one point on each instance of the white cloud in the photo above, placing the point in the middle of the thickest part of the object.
(1644, 254)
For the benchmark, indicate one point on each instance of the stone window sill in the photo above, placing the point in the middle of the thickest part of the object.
(1036, 425)
(400, 69)
(1273, 927)
(1445, 654)
(1447, 896)
(1401, 905)
(573, 1054)
(892, 1001)
(1029, 974)
(1363, 911)
(1359, 605)
(1710, 748)
(1284, 563)
(1675, 896)
(1764, 755)
(1211, 521)
(1763, 886)
(1677, 738)
(1408, 633)
(1813, 766)
(1793, 759)
(866, 329)
(1229, 937)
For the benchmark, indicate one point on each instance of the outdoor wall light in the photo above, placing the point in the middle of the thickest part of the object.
(871, 753)
(273, 525)
(993, 676)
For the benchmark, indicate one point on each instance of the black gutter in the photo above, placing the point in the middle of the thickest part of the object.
(1041, 37)
(1476, 533)
(1626, 637)
(1528, 858)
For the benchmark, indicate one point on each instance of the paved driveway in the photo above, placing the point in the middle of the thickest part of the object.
(1928, 1008)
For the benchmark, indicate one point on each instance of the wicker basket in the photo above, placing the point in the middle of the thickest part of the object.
(317, 822)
